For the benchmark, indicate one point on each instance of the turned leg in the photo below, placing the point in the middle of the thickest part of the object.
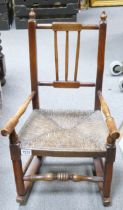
(15, 152)
(17, 168)
(18, 173)
(31, 167)
(108, 172)
(98, 171)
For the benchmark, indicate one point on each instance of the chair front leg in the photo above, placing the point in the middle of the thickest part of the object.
(17, 164)
(17, 168)
(108, 172)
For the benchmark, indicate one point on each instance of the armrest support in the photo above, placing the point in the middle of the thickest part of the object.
(10, 125)
(113, 131)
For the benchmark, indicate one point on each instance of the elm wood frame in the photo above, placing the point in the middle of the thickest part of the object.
(25, 176)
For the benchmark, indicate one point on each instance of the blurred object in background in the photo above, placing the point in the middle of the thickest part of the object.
(6, 14)
(2, 72)
(2, 66)
(0, 96)
(84, 4)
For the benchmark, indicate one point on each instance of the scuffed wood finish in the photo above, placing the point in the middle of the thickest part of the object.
(17, 168)
(10, 125)
(101, 57)
(17, 163)
(70, 26)
(66, 55)
(13, 137)
(113, 131)
(62, 176)
(66, 26)
(107, 183)
(68, 84)
(56, 55)
(98, 166)
(55, 153)
(33, 57)
(71, 84)
(32, 169)
(108, 173)
(77, 56)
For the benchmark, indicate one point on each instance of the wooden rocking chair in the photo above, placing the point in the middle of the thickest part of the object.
(63, 133)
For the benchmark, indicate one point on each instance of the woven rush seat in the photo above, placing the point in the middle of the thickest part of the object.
(64, 131)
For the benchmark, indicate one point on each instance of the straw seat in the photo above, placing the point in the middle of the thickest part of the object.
(64, 131)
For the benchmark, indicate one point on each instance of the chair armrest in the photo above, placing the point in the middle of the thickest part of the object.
(12, 122)
(113, 131)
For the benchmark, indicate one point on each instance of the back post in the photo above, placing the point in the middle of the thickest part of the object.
(33, 58)
(101, 58)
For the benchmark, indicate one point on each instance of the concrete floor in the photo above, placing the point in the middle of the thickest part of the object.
(53, 196)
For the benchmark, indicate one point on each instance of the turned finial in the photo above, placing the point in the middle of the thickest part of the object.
(32, 14)
(103, 16)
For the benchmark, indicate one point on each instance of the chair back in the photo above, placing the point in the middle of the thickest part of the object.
(66, 83)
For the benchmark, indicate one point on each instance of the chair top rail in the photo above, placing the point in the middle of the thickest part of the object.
(67, 26)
